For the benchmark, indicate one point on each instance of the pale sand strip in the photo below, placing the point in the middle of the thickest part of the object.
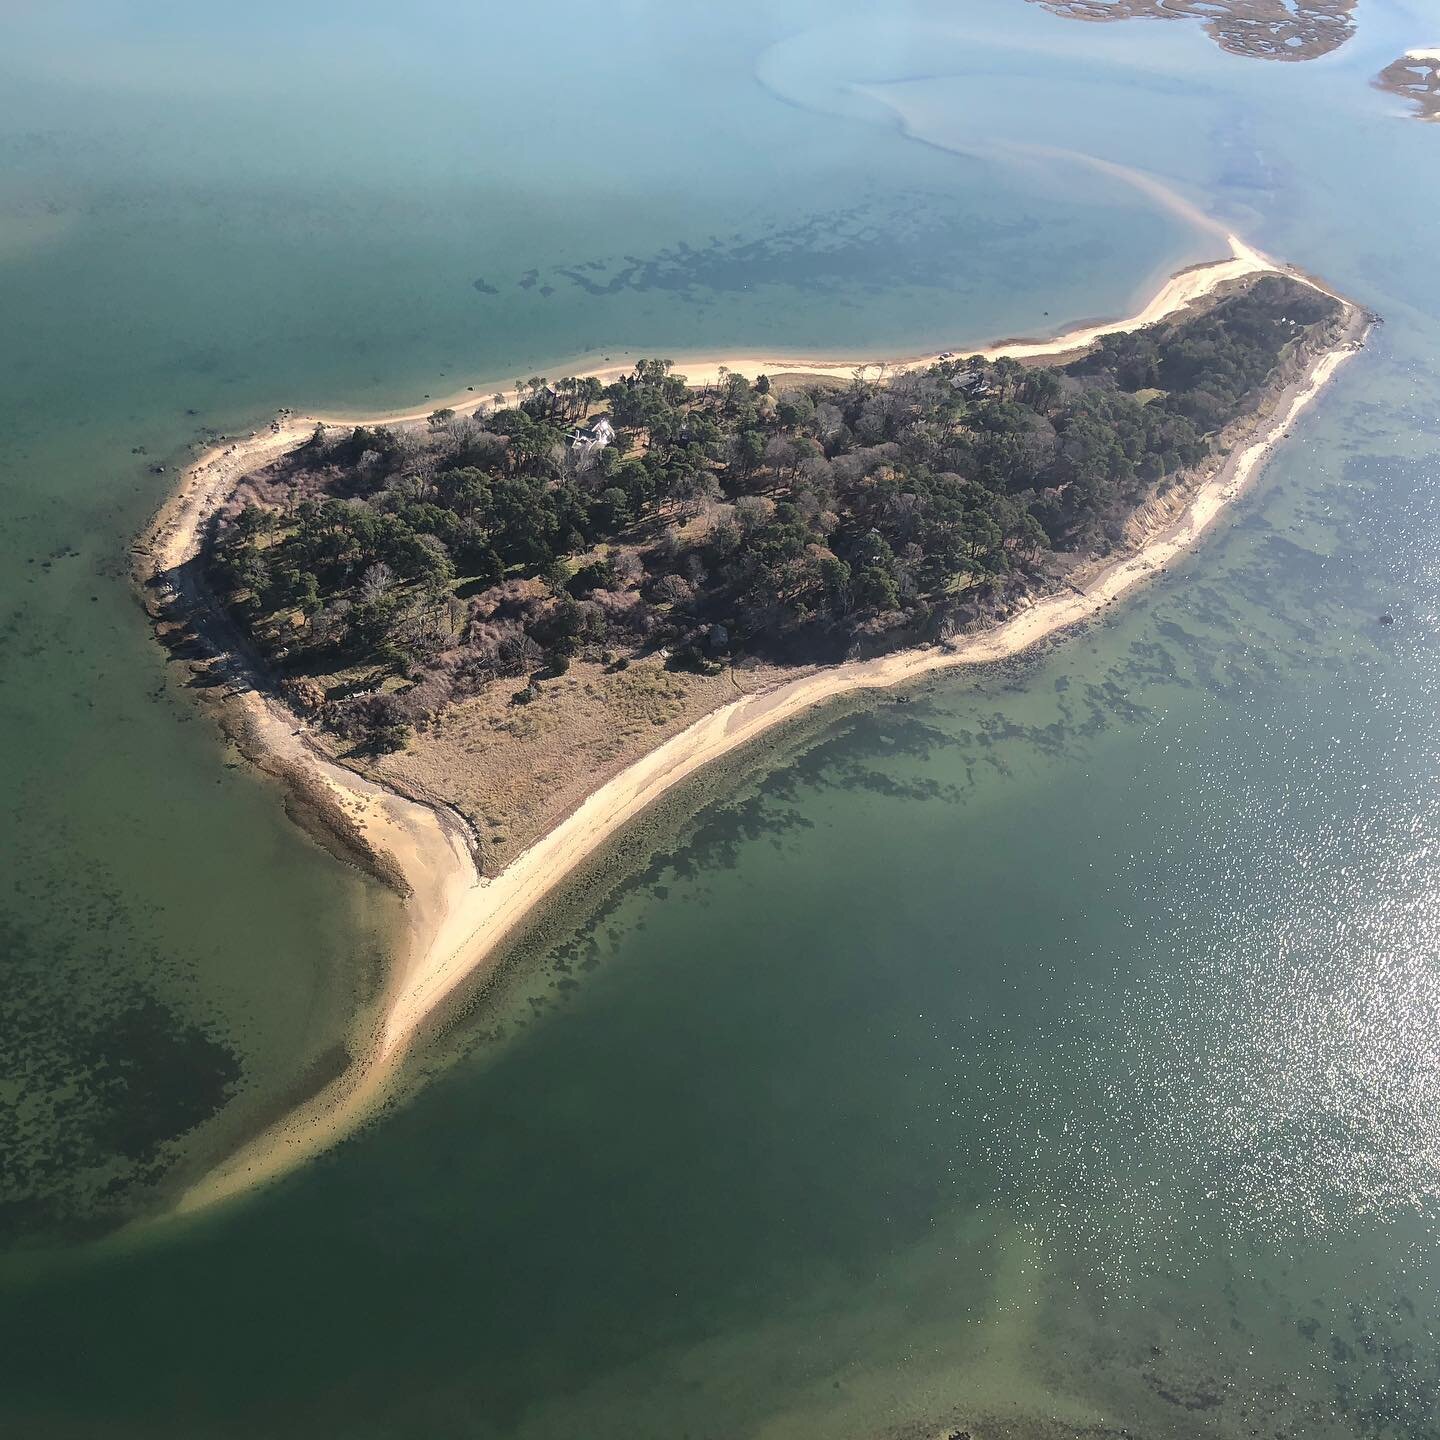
(1177, 292)
(456, 922)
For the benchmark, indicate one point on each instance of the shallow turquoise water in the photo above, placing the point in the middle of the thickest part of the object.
(1057, 1048)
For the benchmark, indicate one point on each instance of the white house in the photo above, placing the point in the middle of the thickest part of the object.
(588, 443)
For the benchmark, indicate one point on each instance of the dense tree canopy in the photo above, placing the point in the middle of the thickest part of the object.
(799, 521)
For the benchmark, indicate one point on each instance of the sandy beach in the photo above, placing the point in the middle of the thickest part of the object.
(457, 922)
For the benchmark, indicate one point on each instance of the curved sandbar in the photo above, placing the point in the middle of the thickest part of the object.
(457, 921)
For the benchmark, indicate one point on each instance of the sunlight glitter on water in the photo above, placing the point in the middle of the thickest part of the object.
(1278, 1073)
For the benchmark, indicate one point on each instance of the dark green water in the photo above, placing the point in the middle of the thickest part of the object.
(1057, 1048)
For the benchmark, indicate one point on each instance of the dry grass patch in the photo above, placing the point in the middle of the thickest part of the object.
(515, 770)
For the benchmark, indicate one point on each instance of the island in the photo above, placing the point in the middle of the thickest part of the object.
(1286, 30)
(1415, 76)
(1260, 29)
(477, 640)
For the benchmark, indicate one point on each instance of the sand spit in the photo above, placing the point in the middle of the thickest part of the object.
(457, 922)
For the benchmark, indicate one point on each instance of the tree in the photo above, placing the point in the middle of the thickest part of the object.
(795, 409)
(912, 493)
(386, 738)
(533, 447)
(564, 626)
(835, 577)
(423, 558)
(597, 575)
(695, 489)
(672, 590)
(735, 392)
(476, 557)
(875, 589)
(248, 571)
(251, 522)
(611, 511)
(1042, 390)
(375, 583)
(464, 490)
(749, 451)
